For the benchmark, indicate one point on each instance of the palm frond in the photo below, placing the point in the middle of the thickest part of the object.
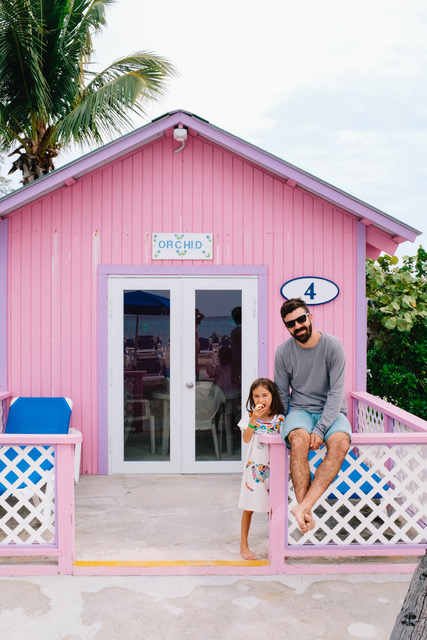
(104, 112)
(23, 87)
(151, 68)
(69, 42)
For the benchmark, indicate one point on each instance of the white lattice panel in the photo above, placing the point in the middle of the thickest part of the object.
(380, 498)
(369, 420)
(27, 495)
(400, 427)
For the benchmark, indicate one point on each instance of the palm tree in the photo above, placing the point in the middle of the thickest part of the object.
(48, 96)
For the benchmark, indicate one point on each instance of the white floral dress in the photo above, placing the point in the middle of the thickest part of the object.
(254, 492)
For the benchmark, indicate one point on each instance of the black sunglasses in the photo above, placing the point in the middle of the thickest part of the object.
(301, 320)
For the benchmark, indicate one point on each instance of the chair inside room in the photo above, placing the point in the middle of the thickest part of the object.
(210, 401)
(137, 410)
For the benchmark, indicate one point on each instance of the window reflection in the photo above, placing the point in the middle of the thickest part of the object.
(146, 374)
(218, 368)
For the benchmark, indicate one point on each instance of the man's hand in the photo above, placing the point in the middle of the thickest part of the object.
(315, 442)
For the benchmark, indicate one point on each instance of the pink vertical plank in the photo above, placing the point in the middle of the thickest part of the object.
(98, 232)
(298, 232)
(56, 292)
(162, 202)
(328, 266)
(227, 213)
(199, 196)
(107, 214)
(14, 303)
(35, 302)
(317, 260)
(339, 258)
(217, 204)
(163, 185)
(76, 321)
(248, 215)
(195, 186)
(66, 302)
(258, 252)
(127, 209)
(25, 346)
(88, 310)
(180, 209)
(348, 283)
(149, 224)
(268, 244)
(280, 266)
(309, 244)
(136, 219)
(184, 188)
(117, 213)
(207, 188)
(46, 298)
(237, 222)
(288, 231)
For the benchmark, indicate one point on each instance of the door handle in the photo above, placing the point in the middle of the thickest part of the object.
(189, 385)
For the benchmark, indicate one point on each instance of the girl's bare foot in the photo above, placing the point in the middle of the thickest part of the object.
(246, 553)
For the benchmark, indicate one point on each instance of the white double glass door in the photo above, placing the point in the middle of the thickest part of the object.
(182, 353)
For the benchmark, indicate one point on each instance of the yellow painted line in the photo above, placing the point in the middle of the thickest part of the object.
(171, 563)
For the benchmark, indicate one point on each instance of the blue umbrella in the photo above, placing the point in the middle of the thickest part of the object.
(144, 303)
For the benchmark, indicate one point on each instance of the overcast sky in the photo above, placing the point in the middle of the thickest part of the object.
(336, 88)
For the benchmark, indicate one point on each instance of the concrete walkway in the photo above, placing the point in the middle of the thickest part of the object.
(162, 517)
(200, 608)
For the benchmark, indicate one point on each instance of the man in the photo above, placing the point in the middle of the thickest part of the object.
(312, 364)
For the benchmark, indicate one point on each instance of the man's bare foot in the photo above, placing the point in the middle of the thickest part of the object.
(305, 520)
(246, 553)
(311, 522)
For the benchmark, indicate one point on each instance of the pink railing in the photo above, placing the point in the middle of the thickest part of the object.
(36, 501)
(374, 415)
(377, 505)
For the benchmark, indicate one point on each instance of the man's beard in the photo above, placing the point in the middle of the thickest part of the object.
(304, 334)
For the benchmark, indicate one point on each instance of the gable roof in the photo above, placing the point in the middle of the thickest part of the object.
(292, 175)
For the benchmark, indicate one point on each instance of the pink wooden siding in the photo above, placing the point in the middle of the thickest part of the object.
(57, 242)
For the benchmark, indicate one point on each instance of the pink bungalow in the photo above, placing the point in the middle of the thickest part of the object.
(144, 281)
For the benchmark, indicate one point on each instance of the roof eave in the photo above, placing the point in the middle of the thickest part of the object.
(155, 129)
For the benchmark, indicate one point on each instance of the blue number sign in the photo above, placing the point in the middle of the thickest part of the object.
(312, 289)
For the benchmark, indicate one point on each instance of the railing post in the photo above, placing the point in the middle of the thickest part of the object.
(356, 415)
(388, 423)
(278, 506)
(5, 397)
(64, 468)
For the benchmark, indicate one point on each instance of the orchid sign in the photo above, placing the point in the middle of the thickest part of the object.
(182, 246)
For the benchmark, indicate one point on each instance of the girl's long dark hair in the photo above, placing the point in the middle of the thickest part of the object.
(276, 402)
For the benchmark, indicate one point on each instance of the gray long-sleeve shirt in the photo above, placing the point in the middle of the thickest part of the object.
(315, 376)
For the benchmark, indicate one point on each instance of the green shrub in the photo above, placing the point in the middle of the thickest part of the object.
(397, 331)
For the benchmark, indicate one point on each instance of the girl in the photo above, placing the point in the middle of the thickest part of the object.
(265, 416)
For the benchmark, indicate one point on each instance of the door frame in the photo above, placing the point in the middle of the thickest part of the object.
(104, 271)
